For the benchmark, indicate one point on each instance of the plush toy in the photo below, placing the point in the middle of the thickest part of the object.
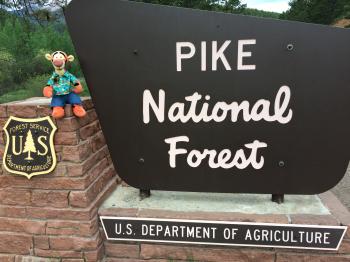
(63, 87)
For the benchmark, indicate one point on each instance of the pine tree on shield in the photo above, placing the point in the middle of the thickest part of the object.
(29, 146)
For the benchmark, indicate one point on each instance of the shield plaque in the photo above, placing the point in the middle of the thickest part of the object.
(29, 146)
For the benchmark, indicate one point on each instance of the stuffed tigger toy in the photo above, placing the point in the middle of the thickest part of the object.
(63, 87)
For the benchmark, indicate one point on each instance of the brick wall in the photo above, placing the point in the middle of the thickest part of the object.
(55, 215)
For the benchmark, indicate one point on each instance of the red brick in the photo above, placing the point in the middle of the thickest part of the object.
(84, 198)
(41, 242)
(80, 169)
(2, 123)
(3, 111)
(35, 259)
(58, 148)
(344, 247)
(2, 151)
(2, 138)
(50, 198)
(95, 255)
(83, 121)
(79, 228)
(42, 182)
(15, 243)
(337, 209)
(68, 124)
(98, 141)
(308, 219)
(94, 173)
(92, 115)
(7, 258)
(43, 110)
(205, 253)
(23, 226)
(60, 170)
(119, 259)
(12, 211)
(68, 110)
(66, 138)
(87, 103)
(89, 130)
(73, 260)
(76, 153)
(60, 213)
(75, 243)
(57, 253)
(10, 196)
(287, 257)
(25, 111)
(122, 250)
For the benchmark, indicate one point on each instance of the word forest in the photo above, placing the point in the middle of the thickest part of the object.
(197, 108)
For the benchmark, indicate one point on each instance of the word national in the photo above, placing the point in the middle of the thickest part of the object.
(220, 111)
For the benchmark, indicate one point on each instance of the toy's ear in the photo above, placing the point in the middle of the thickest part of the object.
(48, 57)
(70, 58)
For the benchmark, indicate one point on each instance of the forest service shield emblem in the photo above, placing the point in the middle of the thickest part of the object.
(29, 146)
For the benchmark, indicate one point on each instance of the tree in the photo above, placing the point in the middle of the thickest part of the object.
(316, 11)
(40, 11)
(230, 6)
(29, 146)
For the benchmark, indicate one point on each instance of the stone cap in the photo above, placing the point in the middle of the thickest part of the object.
(36, 101)
(36, 107)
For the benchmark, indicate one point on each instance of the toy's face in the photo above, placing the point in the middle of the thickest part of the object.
(59, 59)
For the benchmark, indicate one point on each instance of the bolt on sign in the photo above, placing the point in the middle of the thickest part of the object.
(29, 146)
(194, 100)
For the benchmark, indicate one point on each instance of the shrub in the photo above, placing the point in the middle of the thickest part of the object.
(33, 87)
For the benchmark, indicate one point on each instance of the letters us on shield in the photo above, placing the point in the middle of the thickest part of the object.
(29, 146)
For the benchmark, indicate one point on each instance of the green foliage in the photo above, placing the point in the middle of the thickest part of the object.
(230, 6)
(6, 66)
(23, 48)
(260, 13)
(317, 11)
(30, 88)
(33, 87)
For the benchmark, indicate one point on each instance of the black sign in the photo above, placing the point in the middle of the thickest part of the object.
(194, 100)
(29, 146)
(223, 233)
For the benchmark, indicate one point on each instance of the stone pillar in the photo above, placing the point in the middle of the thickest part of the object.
(55, 215)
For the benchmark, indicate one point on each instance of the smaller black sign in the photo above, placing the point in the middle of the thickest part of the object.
(223, 233)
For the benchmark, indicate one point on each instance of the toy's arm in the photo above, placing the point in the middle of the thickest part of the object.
(78, 88)
(48, 91)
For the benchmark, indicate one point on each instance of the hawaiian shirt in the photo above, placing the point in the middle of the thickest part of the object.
(62, 85)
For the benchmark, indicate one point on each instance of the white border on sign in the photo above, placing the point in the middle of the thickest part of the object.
(220, 222)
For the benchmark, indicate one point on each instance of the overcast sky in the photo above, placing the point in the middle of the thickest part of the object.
(267, 5)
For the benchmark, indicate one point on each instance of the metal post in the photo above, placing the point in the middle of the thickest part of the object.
(144, 193)
(278, 198)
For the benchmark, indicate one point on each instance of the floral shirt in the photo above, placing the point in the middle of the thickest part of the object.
(62, 85)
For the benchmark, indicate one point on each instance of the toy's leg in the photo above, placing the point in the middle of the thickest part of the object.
(58, 112)
(57, 104)
(75, 101)
(79, 111)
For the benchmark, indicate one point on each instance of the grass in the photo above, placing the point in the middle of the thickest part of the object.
(33, 87)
